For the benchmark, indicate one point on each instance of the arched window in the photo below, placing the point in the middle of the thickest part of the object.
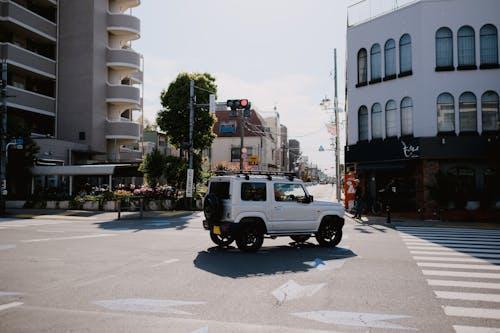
(377, 121)
(466, 47)
(446, 113)
(362, 66)
(444, 48)
(375, 63)
(405, 54)
(391, 119)
(363, 123)
(491, 111)
(467, 106)
(489, 45)
(390, 58)
(406, 116)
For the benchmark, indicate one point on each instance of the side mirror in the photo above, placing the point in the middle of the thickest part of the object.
(311, 198)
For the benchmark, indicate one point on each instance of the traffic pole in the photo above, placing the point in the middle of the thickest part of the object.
(337, 132)
(190, 151)
(242, 137)
(3, 137)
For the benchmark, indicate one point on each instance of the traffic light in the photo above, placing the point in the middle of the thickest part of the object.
(238, 104)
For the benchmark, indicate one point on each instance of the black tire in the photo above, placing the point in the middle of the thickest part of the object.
(221, 240)
(212, 208)
(329, 233)
(250, 238)
(300, 239)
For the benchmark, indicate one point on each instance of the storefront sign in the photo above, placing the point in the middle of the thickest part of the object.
(410, 151)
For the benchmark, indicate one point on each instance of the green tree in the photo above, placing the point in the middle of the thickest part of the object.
(153, 167)
(173, 119)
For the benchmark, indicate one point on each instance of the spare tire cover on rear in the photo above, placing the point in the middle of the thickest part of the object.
(212, 207)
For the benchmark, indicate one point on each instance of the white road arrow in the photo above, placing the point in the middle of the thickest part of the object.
(354, 319)
(292, 290)
(146, 305)
(201, 330)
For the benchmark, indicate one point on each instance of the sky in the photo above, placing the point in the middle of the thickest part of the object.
(273, 52)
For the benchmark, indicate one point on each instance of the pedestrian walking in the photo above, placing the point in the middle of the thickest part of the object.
(358, 199)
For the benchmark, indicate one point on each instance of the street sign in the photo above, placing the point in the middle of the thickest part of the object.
(189, 183)
(19, 141)
(253, 160)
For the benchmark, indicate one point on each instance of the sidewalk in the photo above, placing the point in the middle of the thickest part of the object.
(404, 222)
(58, 214)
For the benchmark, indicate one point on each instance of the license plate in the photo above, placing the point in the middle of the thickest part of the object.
(217, 230)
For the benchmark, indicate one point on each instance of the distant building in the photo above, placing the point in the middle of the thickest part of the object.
(293, 153)
(423, 85)
(285, 164)
(157, 140)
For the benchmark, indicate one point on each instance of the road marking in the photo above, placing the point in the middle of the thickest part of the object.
(201, 330)
(448, 245)
(466, 259)
(465, 239)
(10, 305)
(99, 279)
(464, 284)
(9, 293)
(473, 329)
(7, 247)
(438, 229)
(458, 254)
(462, 274)
(454, 248)
(354, 319)
(292, 290)
(449, 234)
(166, 262)
(468, 296)
(51, 231)
(459, 266)
(146, 305)
(321, 265)
(444, 242)
(67, 238)
(472, 312)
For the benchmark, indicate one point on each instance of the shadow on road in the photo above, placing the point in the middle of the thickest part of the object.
(230, 262)
(136, 224)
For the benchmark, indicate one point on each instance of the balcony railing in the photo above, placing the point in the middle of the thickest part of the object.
(28, 60)
(123, 58)
(28, 20)
(30, 101)
(125, 130)
(122, 94)
(366, 10)
(123, 24)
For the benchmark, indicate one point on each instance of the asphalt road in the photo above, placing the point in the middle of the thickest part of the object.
(160, 275)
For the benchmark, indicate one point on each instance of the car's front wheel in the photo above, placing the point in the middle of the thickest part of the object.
(221, 240)
(250, 238)
(329, 234)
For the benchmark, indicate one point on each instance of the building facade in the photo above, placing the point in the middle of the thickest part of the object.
(73, 79)
(423, 85)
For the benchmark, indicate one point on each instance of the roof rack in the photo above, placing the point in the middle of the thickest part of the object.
(247, 174)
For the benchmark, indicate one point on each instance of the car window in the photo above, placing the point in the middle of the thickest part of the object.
(220, 189)
(253, 192)
(289, 192)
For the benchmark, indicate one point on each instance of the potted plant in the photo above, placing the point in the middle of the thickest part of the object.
(90, 202)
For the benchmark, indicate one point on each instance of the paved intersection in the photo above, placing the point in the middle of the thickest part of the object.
(164, 275)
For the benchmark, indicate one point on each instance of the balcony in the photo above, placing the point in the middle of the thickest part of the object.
(28, 20)
(137, 77)
(123, 59)
(124, 25)
(122, 94)
(30, 101)
(28, 60)
(123, 5)
(123, 130)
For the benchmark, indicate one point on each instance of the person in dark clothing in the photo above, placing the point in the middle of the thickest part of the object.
(358, 197)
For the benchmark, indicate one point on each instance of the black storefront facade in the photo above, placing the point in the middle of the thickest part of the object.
(430, 175)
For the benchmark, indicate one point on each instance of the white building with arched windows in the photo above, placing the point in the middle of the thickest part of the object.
(423, 86)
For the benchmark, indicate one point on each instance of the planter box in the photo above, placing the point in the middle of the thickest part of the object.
(168, 204)
(91, 205)
(51, 205)
(154, 205)
(110, 206)
(63, 204)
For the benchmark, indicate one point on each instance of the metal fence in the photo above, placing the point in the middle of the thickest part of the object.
(366, 10)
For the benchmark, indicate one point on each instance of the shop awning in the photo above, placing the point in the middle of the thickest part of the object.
(77, 170)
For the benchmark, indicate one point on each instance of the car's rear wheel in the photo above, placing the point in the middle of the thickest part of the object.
(329, 234)
(250, 238)
(221, 240)
(300, 239)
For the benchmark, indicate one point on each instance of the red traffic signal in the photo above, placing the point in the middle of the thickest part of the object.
(238, 104)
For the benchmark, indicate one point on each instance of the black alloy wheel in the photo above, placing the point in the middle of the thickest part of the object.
(329, 235)
(250, 238)
(221, 240)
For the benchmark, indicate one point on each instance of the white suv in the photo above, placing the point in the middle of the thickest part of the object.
(246, 207)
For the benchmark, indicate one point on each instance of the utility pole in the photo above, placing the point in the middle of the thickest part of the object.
(3, 137)
(337, 141)
(190, 172)
(242, 137)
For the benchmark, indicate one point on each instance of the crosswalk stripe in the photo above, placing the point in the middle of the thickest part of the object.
(464, 284)
(465, 239)
(438, 229)
(474, 329)
(10, 305)
(459, 266)
(448, 234)
(472, 312)
(423, 241)
(458, 254)
(462, 274)
(468, 296)
(453, 248)
(466, 259)
(451, 244)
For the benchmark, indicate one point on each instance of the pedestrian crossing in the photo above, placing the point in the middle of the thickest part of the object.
(462, 267)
